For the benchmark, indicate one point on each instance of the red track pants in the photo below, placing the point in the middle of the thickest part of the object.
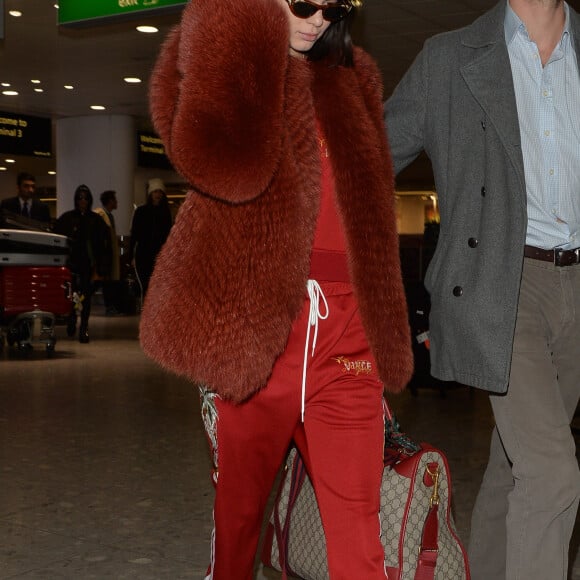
(341, 441)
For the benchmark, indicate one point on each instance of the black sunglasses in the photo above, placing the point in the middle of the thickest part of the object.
(330, 12)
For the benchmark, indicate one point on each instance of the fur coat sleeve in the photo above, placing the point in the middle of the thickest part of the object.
(202, 116)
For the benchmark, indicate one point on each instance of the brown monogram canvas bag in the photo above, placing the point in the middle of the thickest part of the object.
(418, 532)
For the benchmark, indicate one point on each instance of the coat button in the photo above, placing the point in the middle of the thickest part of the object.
(473, 242)
(458, 291)
(483, 191)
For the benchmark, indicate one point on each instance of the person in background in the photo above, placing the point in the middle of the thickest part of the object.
(279, 288)
(149, 230)
(111, 281)
(88, 258)
(496, 106)
(24, 204)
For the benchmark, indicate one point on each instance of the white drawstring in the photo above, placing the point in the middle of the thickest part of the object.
(316, 295)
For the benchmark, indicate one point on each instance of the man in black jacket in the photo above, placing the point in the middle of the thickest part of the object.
(24, 203)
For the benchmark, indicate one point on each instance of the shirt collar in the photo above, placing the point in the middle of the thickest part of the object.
(513, 23)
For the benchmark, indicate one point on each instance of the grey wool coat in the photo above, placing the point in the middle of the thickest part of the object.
(457, 103)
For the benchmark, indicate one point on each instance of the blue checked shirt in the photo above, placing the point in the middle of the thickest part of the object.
(548, 102)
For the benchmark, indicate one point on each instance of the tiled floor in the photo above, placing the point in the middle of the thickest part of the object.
(104, 466)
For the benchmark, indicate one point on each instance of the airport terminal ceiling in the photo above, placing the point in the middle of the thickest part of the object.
(95, 60)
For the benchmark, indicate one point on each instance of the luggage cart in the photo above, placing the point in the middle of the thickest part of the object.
(35, 287)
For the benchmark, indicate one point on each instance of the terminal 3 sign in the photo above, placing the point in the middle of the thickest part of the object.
(25, 135)
(151, 152)
(74, 12)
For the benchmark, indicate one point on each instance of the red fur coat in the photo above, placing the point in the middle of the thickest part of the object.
(237, 116)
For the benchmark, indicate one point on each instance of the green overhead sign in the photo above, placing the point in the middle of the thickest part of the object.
(72, 12)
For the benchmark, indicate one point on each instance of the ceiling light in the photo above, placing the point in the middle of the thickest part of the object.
(5, 84)
(147, 29)
(3, 168)
(10, 160)
(35, 81)
(97, 107)
(68, 87)
(39, 90)
(132, 80)
(10, 93)
(52, 172)
(15, 13)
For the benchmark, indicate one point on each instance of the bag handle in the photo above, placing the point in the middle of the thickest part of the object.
(387, 411)
(297, 477)
(429, 547)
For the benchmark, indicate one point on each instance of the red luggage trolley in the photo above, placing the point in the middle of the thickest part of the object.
(35, 287)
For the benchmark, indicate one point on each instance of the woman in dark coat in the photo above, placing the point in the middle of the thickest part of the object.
(149, 230)
(88, 254)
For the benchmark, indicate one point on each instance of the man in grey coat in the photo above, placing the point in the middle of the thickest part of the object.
(496, 107)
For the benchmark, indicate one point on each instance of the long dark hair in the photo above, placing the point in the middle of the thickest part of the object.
(336, 44)
(83, 190)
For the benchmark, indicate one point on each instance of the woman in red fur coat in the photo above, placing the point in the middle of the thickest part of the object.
(279, 288)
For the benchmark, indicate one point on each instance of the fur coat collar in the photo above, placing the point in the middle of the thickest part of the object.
(240, 126)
